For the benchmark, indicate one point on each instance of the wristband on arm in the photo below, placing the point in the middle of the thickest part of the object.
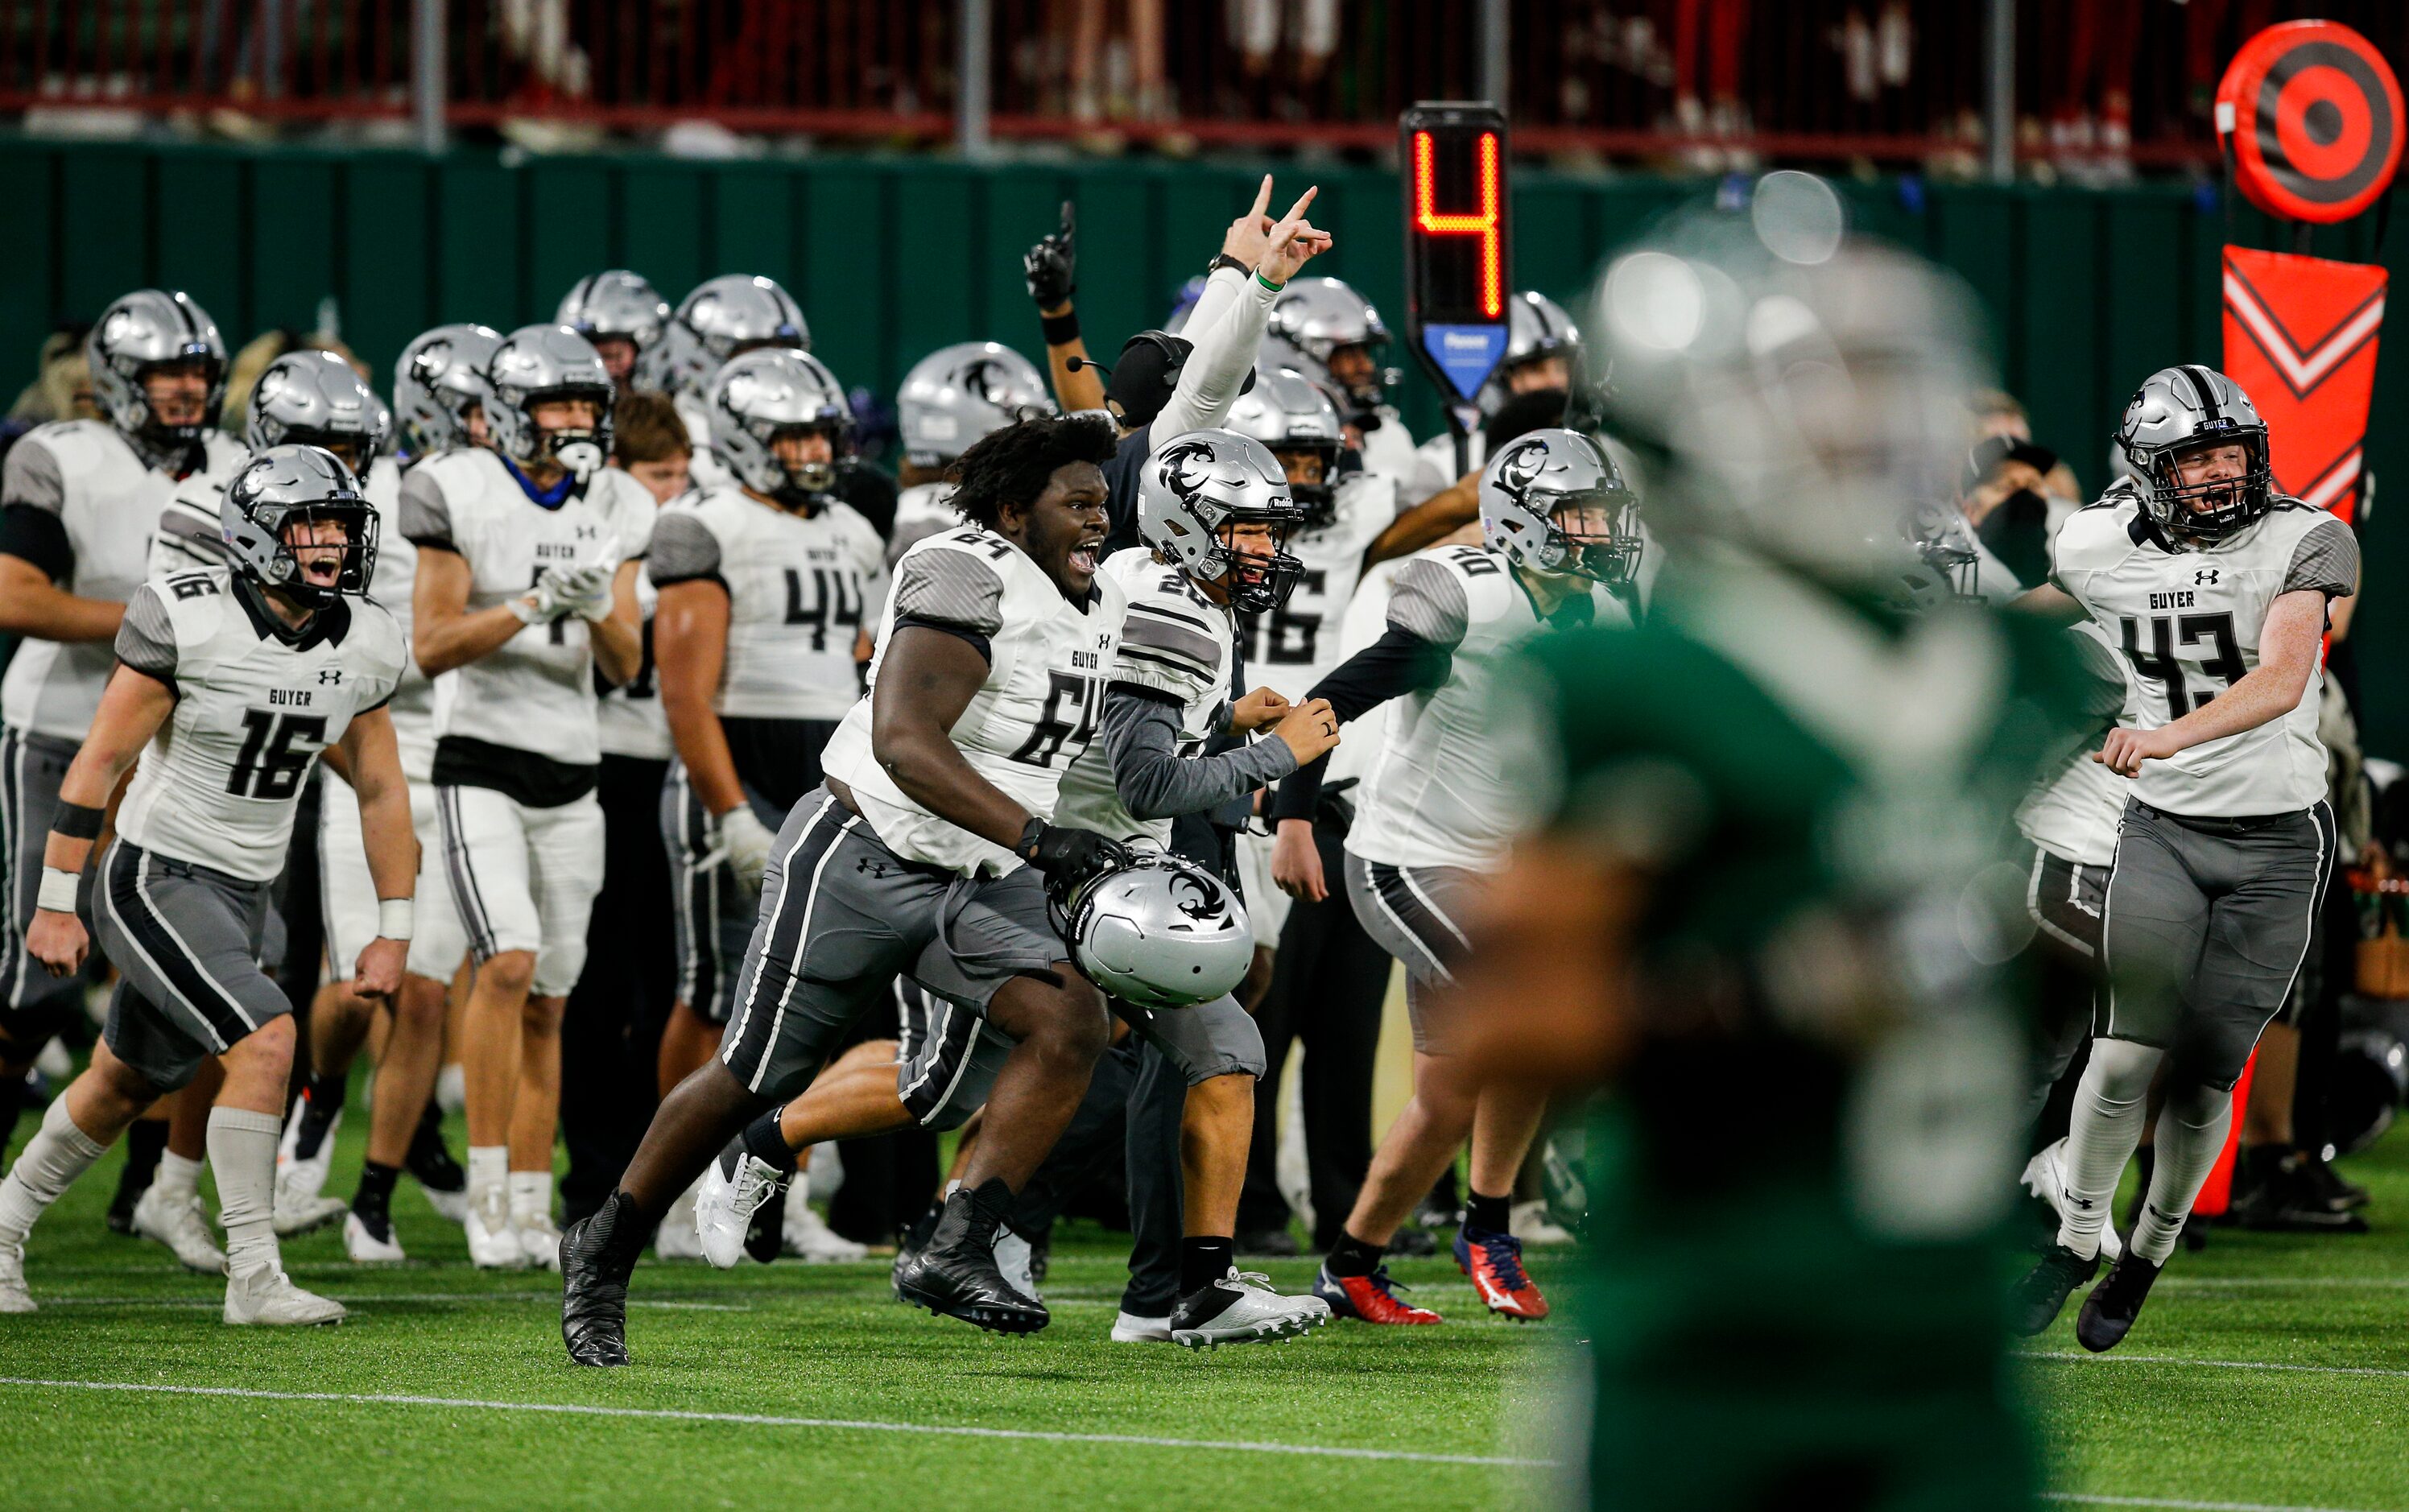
(395, 919)
(57, 892)
(1059, 330)
(77, 821)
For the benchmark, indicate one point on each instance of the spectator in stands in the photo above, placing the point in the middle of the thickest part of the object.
(1150, 98)
(1708, 39)
(2089, 47)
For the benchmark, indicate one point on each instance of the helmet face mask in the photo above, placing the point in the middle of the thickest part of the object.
(268, 512)
(145, 332)
(764, 396)
(2213, 508)
(616, 306)
(541, 365)
(2178, 414)
(1530, 488)
(1291, 414)
(1317, 318)
(1197, 491)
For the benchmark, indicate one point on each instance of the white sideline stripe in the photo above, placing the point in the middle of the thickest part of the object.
(755, 1420)
(2214, 1364)
(476, 1298)
(2090, 1499)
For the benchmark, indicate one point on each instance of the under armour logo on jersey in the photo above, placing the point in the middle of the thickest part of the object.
(588, 532)
(2204, 578)
(329, 674)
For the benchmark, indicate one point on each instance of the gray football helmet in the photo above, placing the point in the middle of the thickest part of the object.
(1529, 481)
(1160, 932)
(536, 363)
(616, 303)
(1194, 488)
(958, 394)
(1313, 318)
(151, 328)
(318, 399)
(1536, 328)
(733, 313)
(1289, 413)
(286, 485)
(434, 380)
(760, 393)
(2177, 410)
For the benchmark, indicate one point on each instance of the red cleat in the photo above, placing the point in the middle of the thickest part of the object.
(1370, 1298)
(1495, 1264)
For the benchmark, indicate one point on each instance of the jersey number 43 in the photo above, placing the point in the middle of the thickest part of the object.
(2158, 662)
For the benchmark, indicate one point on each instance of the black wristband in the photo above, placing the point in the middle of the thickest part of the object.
(1060, 330)
(77, 821)
(1026, 847)
(1225, 260)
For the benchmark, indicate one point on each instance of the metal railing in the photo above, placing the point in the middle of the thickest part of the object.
(1884, 80)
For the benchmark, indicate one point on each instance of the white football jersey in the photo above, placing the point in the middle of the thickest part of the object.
(536, 692)
(920, 510)
(628, 720)
(1177, 643)
(1292, 647)
(2073, 812)
(800, 590)
(2188, 620)
(218, 785)
(1448, 788)
(1389, 452)
(1047, 663)
(108, 500)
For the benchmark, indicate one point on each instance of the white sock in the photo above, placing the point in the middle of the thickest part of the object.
(2191, 1136)
(242, 1152)
(179, 1179)
(489, 1166)
(57, 1153)
(2105, 1128)
(530, 1194)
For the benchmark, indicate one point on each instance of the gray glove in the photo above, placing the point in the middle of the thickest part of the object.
(747, 842)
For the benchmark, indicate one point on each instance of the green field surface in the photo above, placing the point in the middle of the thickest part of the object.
(2270, 1372)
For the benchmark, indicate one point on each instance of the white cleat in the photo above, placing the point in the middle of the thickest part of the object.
(452, 1087)
(268, 1298)
(1247, 1311)
(452, 1204)
(1128, 1328)
(303, 1179)
(14, 1298)
(182, 1226)
(540, 1240)
(808, 1238)
(298, 1215)
(493, 1238)
(1014, 1258)
(367, 1249)
(2045, 1178)
(725, 1202)
(676, 1239)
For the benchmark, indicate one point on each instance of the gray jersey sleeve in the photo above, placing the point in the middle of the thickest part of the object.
(950, 588)
(683, 549)
(2326, 560)
(146, 638)
(1141, 735)
(32, 477)
(1429, 603)
(425, 516)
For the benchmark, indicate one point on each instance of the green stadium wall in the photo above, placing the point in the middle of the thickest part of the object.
(2086, 292)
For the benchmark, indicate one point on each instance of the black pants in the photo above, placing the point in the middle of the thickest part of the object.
(2330, 972)
(610, 1035)
(1329, 982)
(1133, 1106)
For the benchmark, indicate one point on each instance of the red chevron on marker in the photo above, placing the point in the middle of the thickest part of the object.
(2313, 391)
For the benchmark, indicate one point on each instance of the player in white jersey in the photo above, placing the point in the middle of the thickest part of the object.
(231, 684)
(526, 594)
(948, 400)
(78, 500)
(1437, 810)
(767, 588)
(1542, 352)
(2216, 590)
(719, 318)
(439, 390)
(622, 314)
(1323, 328)
(927, 851)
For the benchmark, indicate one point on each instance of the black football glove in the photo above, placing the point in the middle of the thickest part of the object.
(1052, 267)
(1068, 856)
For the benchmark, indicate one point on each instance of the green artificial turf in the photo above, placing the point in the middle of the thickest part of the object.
(826, 1344)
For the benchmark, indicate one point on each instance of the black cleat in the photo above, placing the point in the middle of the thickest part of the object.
(1277, 1244)
(120, 1207)
(2321, 1183)
(2041, 1296)
(2109, 1312)
(954, 1275)
(766, 1232)
(1413, 1241)
(428, 1162)
(597, 1256)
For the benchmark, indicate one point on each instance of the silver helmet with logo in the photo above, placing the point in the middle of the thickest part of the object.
(1160, 932)
(722, 317)
(1291, 415)
(434, 380)
(147, 329)
(1530, 482)
(760, 395)
(288, 485)
(539, 363)
(2189, 409)
(1198, 486)
(318, 399)
(1311, 319)
(958, 394)
(1536, 329)
(615, 305)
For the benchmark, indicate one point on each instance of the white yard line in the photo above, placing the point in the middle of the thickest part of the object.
(2211, 1364)
(2088, 1499)
(371, 1299)
(750, 1420)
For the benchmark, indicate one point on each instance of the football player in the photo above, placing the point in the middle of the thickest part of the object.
(527, 555)
(2216, 587)
(622, 314)
(720, 319)
(231, 682)
(949, 399)
(927, 850)
(79, 502)
(1323, 328)
(439, 390)
(1436, 809)
(767, 586)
